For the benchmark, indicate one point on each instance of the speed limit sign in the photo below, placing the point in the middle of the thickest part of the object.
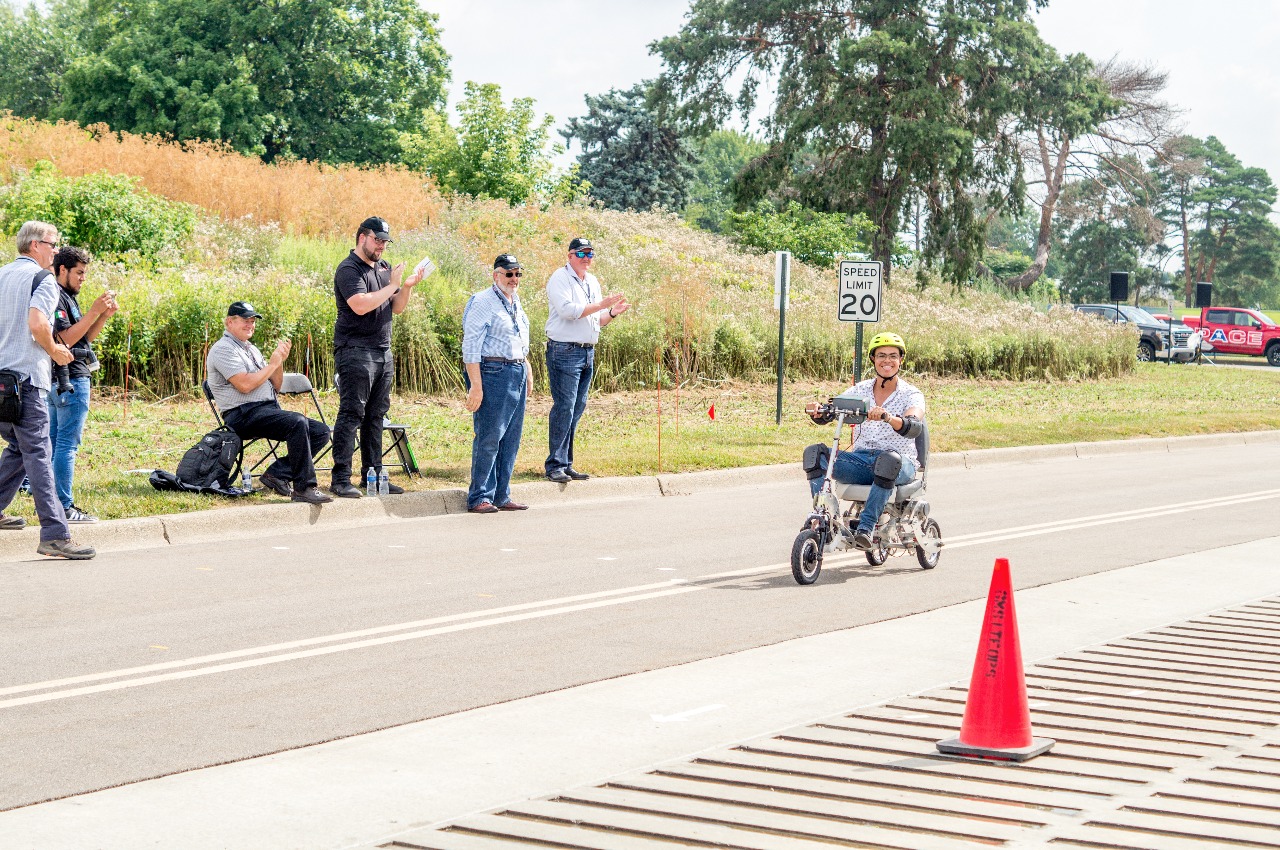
(859, 291)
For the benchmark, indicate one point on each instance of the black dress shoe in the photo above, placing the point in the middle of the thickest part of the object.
(312, 496)
(394, 489)
(576, 475)
(281, 488)
(559, 476)
(346, 491)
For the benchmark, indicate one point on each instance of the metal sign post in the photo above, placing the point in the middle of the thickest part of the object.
(861, 288)
(781, 280)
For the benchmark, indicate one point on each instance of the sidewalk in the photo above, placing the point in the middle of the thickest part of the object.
(396, 785)
(280, 517)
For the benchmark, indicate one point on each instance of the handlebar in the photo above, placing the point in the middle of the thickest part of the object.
(850, 409)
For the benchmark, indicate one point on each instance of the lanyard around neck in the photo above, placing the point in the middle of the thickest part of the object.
(513, 311)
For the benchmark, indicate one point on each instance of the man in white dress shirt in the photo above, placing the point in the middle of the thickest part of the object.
(576, 311)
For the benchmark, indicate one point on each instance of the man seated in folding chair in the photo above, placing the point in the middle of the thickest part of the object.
(244, 388)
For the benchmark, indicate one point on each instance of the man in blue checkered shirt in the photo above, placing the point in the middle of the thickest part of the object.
(495, 352)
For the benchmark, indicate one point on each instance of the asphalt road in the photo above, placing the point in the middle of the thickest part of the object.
(142, 664)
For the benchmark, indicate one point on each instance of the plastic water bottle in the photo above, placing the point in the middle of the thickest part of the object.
(384, 482)
(371, 482)
(246, 480)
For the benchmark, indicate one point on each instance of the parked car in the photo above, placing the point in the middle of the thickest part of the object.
(1239, 330)
(1153, 335)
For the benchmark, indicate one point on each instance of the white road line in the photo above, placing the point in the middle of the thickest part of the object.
(963, 541)
(297, 644)
(381, 635)
(1117, 516)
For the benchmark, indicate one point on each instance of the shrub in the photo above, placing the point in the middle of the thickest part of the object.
(105, 213)
(816, 238)
(302, 197)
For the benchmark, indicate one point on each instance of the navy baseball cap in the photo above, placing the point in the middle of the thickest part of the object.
(379, 226)
(580, 244)
(507, 261)
(244, 310)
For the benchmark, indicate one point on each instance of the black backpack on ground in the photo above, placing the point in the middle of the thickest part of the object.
(212, 463)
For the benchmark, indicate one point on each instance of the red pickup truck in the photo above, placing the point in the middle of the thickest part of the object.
(1238, 330)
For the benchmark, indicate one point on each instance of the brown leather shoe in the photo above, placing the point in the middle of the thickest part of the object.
(513, 506)
(483, 508)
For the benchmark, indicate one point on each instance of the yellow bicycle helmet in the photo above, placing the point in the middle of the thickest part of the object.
(884, 339)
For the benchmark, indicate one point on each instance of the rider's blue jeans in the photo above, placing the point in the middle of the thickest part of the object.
(856, 468)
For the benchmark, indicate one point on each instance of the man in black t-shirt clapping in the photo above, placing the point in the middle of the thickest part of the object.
(368, 291)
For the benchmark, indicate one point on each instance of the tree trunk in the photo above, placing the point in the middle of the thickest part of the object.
(1186, 249)
(1053, 175)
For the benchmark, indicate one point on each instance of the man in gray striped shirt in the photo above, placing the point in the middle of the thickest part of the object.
(244, 386)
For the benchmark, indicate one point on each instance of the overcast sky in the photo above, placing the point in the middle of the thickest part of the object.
(1222, 57)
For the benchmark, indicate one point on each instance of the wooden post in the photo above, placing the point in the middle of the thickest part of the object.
(659, 411)
(128, 356)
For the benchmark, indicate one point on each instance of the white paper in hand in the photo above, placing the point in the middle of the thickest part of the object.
(426, 267)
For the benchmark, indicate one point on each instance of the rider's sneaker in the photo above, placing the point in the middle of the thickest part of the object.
(862, 540)
(74, 514)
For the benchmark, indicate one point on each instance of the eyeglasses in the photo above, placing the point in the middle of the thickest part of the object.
(584, 255)
(53, 245)
(888, 356)
(514, 274)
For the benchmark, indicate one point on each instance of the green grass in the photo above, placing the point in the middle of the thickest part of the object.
(619, 433)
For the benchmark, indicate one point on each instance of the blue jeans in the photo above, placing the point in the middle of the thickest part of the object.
(498, 423)
(856, 468)
(569, 370)
(67, 415)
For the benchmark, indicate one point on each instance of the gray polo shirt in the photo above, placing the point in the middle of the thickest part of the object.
(229, 356)
(18, 349)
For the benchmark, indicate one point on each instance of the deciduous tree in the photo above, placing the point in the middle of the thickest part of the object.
(894, 99)
(325, 80)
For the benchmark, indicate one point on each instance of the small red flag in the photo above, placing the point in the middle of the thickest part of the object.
(712, 412)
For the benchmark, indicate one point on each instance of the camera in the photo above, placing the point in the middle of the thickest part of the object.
(62, 374)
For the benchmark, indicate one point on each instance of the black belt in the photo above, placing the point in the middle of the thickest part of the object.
(586, 345)
(500, 360)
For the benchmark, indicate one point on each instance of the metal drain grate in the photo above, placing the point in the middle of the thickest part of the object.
(1165, 740)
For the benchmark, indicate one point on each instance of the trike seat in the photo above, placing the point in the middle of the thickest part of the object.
(859, 492)
(901, 493)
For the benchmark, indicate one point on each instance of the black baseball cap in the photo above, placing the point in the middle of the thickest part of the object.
(379, 226)
(580, 244)
(244, 310)
(507, 261)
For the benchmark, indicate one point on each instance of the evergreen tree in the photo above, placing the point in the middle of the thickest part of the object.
(632, 160)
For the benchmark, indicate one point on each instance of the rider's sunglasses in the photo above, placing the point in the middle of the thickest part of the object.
(584, 255)
(514, 274)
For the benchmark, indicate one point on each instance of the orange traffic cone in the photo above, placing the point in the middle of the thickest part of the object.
(997, 721)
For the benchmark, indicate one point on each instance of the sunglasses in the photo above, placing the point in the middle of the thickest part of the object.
(584, 255)
(514, 274)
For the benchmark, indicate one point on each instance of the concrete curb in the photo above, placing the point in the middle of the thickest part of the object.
(261, 520)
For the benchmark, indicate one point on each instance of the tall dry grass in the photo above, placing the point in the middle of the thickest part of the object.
(302, 197)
